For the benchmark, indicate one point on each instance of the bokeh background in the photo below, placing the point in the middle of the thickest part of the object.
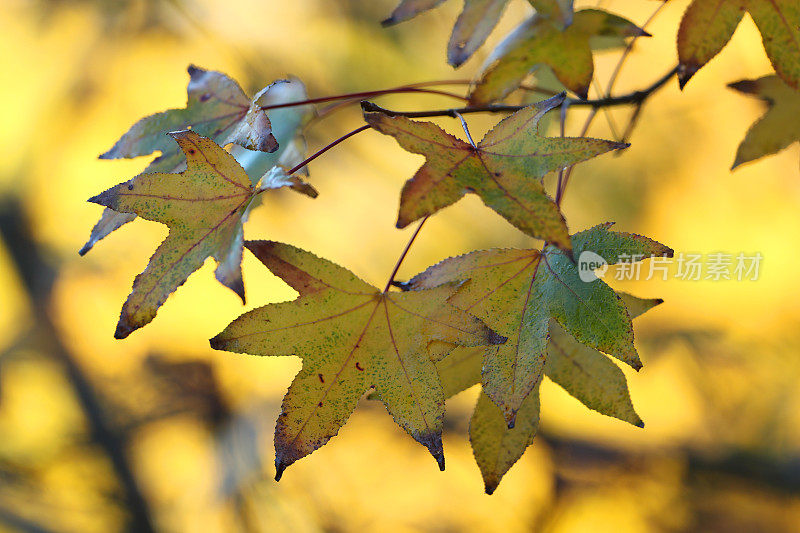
(102, 435)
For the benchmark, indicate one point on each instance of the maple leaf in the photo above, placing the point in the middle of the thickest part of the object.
(477, 20)
(351, 337)
(708, 25)
(518, 292)
(583, 372)
(204, 207)
(287, 126)
(505, 169)
(216, 108)
(778, 128)
(588, 375)
(473, 26)
(540, 41)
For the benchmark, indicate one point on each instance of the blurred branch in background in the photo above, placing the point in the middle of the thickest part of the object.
(734, 465)
(38, 279)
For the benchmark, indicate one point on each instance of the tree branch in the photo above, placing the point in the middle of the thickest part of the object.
(636, 97)
(38, 280)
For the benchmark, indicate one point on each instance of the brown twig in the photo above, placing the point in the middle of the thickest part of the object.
(635, 97)
(404, 254)
(326, 148)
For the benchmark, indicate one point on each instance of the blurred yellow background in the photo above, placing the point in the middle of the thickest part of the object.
(721, 446)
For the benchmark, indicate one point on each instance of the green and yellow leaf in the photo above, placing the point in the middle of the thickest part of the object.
(505, 169)
(588, 375)
(408, 9)
(543, 41)
(522, 293)
(203, 206)
(495, 446)
(708, 25)
(351, 337)
(216, 108)
(473, 26)
(780, 125)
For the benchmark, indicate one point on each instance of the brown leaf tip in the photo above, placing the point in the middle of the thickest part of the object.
(685, 73)
(433, 441)
(104, 199)
(279, 469)
(744, 86)
(217, 343)
(194, 70)
(124, 329)
(490, 487)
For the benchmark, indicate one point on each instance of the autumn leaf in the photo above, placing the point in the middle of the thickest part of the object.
(216, 108)
(351, 337)
(495, 446)
(408, 9)
(588, 375)
(473, 26)
(583, 372)
(708, 25)
(204, 207)
(505, 169)
(287, 126)
(778, 128)
(541, 41)
(518, 292)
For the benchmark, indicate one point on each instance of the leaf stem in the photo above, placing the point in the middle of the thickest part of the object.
(466, 128)
(326, 148)
(404, 254)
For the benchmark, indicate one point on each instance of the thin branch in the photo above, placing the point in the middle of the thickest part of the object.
(366, 94)
(326, 148)
(327, 110)
(627, 52)
(607, 112)
(614, 76)
(38, 280)
(634, 120)
(635, 97)
(404, 254)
